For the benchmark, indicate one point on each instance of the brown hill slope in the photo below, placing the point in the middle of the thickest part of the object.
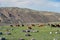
(14, 15)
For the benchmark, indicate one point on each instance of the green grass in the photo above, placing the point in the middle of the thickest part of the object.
(43, 33)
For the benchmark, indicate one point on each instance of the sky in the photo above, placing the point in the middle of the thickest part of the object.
(40, 5)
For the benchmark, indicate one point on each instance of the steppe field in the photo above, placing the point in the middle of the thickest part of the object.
(17, 33)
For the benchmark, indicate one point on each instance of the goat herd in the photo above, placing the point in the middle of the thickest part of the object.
(29, 30)
(54, 25)
(39, 25)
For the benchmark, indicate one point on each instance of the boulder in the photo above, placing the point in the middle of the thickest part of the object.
(28, 34)
(2, 38)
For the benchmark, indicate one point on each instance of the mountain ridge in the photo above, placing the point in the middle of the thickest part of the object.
(15, 15)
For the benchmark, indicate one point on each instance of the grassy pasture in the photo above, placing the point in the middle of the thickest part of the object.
(43, 34)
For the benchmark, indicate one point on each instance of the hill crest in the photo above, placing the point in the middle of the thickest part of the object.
(15, 15)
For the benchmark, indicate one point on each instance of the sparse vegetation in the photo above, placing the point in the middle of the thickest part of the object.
(14, 15)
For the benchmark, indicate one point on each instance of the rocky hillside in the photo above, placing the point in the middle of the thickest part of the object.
(14, 15)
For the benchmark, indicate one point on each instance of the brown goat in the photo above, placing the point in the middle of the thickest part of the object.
(18, 25)
(29, 27)
(11, 25)
(33, 24)
(40, 25)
